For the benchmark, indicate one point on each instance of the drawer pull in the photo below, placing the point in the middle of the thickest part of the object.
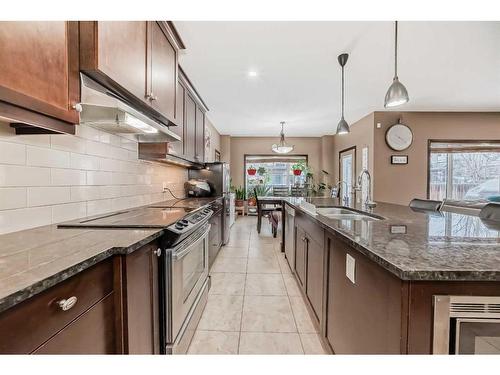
(66, 304)
(157, 252)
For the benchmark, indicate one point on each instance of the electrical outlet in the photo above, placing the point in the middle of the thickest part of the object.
(350, 268)
(379, 125)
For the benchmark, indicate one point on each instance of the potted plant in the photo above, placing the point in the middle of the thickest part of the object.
(252, 201)
(240, 197)
(261, 171)
(298, 167)
(251, 171)
(262, 190)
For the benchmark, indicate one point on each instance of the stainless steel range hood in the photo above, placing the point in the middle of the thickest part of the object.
(103, 109)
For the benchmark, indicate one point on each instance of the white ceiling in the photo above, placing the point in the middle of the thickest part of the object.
(446, 66)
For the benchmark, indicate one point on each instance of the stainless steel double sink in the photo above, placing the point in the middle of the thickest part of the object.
(342, 213)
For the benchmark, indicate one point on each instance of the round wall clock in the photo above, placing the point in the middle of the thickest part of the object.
(399, 137)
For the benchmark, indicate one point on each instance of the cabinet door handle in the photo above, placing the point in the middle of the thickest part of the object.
(303, 238)
(157, 252)
(77, 107)
(67, 304)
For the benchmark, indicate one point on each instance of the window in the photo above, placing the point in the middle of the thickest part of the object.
(273, 172)
(464, 170)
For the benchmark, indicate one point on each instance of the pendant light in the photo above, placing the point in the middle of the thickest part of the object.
(397, 93)
(343, 127)
(282, 147)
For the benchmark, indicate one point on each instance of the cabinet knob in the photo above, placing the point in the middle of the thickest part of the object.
(303, 238)
(157, 252)
(151, 96)
(77, 107)
(67, 304)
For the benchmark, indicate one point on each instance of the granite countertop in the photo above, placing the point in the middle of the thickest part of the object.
(420, 246)
(34, 260)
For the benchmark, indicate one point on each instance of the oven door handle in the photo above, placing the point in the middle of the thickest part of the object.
(181, 254)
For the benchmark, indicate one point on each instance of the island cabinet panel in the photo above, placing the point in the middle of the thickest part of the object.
(39, 73)
(136, 59)
(140, 300)
(420, 325)
(365, 317)
(309, 262)
(314, 284)
(33, 324)
(300, 256)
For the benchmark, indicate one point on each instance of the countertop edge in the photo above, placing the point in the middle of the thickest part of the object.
(437, 275)
(32, 290)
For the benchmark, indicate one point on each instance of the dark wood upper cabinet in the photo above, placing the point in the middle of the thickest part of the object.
(116, 51)
(39, 80)
(136, 59)
(163, 81)
(200, 136)
(178, 148)
(190, 128)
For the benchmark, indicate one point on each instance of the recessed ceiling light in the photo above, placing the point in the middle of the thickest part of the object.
(252, 73)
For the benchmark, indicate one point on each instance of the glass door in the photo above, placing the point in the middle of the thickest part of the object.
(347, 172)
(477, 336)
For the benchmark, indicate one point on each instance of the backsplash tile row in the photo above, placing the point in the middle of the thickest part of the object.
(47, 179)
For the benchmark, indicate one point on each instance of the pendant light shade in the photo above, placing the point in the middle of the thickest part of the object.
(282, 147)
(343, 126)
(397, 93)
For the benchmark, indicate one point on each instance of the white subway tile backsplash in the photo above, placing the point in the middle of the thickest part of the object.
(14, 175)
(99, 178)
(109, 191)
(25, 218)
(87, 132)
(68, 177)
(86, 162)
(85, 193)
(44, 196)
(67, 142)
(99, 207)
(69, 211)
(46, 157)
(11, 198)
(12, 153)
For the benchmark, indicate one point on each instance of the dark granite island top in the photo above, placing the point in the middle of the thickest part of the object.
(419, 246)
(34, 260)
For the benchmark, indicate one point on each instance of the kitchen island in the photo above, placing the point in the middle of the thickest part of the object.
(370, 283)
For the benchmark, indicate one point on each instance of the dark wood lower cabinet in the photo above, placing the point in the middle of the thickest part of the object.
(300, 256)
(91, 333)
(314, 276)
(365, 317)
(140, 301)
(116, 311)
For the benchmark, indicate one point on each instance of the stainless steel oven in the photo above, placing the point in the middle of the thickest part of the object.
(185, 290)
(466, 325)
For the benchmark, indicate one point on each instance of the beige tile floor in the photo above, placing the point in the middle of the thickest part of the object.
(254, 305)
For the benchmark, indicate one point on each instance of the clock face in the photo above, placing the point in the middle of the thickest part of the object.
(399, 137)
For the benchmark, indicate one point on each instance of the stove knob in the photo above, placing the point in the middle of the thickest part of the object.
(184, 222)
(178, 225)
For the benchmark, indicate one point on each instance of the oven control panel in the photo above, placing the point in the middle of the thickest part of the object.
(191, 221)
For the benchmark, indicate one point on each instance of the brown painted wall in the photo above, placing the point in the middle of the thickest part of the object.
(239, 146)
(401, 183)
(361, 135)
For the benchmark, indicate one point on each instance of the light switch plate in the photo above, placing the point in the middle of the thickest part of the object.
(350, 268)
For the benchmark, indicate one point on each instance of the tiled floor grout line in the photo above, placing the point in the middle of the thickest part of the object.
(244, 293)
(291, 308)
